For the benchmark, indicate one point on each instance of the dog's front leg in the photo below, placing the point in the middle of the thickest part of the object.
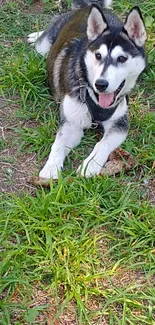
(68, 137)
(113, 137)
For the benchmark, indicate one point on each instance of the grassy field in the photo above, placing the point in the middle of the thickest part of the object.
(83, 251)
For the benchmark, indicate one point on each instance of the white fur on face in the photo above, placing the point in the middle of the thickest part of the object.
(114, 74)
(103, 50)
(94, 66)
(117, 51)
(129, 71)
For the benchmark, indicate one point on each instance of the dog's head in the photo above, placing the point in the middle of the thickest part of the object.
(114, 58)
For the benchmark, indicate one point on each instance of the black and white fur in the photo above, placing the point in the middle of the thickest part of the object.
(122, 58)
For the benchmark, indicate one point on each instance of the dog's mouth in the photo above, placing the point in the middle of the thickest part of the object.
(106, 100)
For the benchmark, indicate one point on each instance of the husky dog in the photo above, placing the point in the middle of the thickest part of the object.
(93, 62)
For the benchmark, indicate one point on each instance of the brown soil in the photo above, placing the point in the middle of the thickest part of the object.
(121, 278)
(15, 167)
(37, 7)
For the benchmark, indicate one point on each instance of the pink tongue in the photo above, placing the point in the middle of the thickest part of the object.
(105, 100)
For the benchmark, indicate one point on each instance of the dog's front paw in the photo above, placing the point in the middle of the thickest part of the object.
(50, 171)
(89, 168)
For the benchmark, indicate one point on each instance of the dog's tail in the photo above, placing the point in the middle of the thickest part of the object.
(84, 3)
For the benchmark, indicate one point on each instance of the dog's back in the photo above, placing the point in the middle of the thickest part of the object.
(63, 58)
(44, 40)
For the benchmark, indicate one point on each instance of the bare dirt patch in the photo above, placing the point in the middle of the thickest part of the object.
(15, 167)
(37, 7)
(149, 185)
(14, 174)
(122, 279)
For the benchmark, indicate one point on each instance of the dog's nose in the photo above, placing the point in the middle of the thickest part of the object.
(101, 84)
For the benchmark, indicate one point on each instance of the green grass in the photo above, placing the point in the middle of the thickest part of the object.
(84, 243)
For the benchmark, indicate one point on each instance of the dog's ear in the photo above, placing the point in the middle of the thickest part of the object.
(135, 28)
(96, 23)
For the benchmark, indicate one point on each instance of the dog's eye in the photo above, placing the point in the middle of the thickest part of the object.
(121, 59)
(98, 56)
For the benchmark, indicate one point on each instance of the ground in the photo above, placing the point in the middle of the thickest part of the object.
(81, 252)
